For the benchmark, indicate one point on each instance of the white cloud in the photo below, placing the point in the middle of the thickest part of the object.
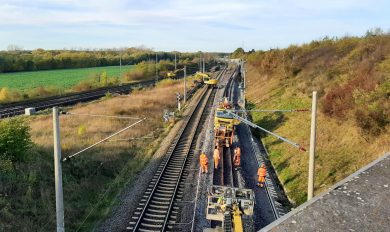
(197, 23)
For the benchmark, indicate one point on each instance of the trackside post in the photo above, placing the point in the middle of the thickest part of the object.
(310, 186)
(58, 172)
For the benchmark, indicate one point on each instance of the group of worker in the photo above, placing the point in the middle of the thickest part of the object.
(204, 162)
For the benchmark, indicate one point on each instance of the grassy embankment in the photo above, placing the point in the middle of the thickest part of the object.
(92, 180)
(352, 77)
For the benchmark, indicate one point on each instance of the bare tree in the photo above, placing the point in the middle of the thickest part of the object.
(14, 47)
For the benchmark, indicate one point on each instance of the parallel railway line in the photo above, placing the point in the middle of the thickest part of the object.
(17, 108)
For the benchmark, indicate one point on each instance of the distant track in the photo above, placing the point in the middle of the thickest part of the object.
(17, 108)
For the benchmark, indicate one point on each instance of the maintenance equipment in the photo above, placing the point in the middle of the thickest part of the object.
(211, 81)
(171, 74)
(228, 205)
(224, 125)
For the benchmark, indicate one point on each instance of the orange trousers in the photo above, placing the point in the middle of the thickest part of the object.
(261, 179)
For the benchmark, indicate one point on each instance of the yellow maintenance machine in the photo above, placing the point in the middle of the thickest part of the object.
(206, 79)
(211, 81)
(171, 75)
(224, 125)
(229, 205)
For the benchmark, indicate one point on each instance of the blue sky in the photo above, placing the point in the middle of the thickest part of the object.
(184, 25)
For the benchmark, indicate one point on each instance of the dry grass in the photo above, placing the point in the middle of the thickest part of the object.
(146, 103)
(92, 180)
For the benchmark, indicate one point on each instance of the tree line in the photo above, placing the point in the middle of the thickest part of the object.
(22, 60)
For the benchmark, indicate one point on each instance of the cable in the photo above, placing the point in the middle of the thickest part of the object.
(107, 138)
(100, 115)
(293, 110)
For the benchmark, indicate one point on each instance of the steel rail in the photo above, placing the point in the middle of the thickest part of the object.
(164, 169)
(13, 109)
(175, 162)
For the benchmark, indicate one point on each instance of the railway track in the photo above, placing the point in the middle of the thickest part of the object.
(17, 108)
(158, 209)
(275, 206)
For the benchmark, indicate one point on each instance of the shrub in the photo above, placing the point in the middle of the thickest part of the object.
(103, 79)
(4, 95)
(134, 75)
(83, 86)
(81, 130)
(15, 139)
(337, 101)
(371, 122)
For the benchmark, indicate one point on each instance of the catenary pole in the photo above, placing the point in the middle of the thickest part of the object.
(156, 69)
(175, 62)
(58, 172)
(310, 190)
(120, 63)
(185, 85)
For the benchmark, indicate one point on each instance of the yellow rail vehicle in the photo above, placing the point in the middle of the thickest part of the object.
(210, 81)
(224, 126)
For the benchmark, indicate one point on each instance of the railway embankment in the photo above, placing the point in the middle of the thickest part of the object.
(352, 77)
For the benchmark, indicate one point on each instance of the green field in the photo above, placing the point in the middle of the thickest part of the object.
(64, 78)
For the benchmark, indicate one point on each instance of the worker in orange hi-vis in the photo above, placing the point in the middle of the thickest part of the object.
(261, 173)
(237, 157)
(204, 162)
(216, 157)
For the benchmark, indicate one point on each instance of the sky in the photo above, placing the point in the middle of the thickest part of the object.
(184, 25)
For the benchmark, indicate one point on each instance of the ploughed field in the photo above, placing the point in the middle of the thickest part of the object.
(63, 78)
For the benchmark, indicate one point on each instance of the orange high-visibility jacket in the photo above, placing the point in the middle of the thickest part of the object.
(262, 171)
(216, 154)
(203, 159)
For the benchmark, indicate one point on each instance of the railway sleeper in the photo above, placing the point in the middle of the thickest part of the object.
(162, 194)
(155, 215)
(157, 211)
(153, 220)
(164, 189)
(177, 161)
(169, 179)
(150, 225)
(169, 184)
(170, 175)
(145, 230)
(156, 202)
(152, 205)
(161, 198)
